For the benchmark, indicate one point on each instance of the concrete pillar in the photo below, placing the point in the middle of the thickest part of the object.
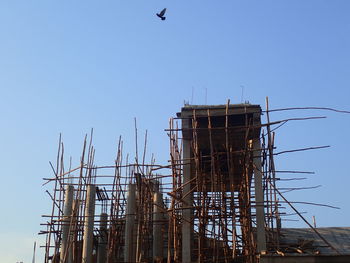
(89, 224)
(259, 197)
(157, 227)
(72, 249)
(102, 241)
(187, 213)
(65, 253)
(130, 218)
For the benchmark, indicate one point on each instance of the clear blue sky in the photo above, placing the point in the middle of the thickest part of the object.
(68, 66)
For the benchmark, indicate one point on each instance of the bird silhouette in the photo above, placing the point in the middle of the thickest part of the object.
(161, 14)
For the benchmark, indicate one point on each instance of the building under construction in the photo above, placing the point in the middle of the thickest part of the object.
(215, 201)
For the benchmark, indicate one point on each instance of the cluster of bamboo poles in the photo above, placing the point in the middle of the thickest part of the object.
(111, 185)
(222, 207)
(218, 200)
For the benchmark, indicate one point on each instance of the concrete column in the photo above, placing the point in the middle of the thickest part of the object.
(102, 241)
(130, 249)
(259, 197)
(72, 249)
(65, 254)
(187, 213)
(89, 224)
(157, 227)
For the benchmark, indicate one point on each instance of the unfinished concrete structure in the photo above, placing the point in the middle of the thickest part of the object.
(216, 200)
(221, 147)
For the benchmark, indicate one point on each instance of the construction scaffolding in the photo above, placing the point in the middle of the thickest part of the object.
(215, 201)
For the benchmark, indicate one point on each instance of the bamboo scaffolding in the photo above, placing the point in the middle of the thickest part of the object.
(223, 202)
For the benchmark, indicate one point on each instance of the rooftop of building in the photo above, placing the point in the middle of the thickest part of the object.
(233, 109)
(305, 240)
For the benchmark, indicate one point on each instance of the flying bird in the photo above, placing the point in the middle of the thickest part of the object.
(161, 14)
